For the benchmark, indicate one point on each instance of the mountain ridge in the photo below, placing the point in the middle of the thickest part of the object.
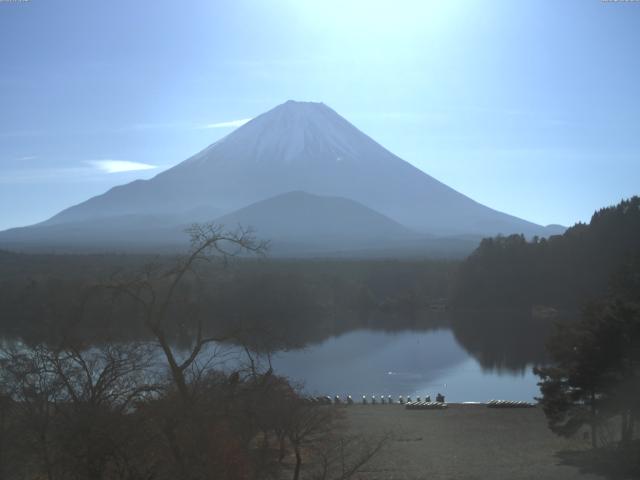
(301, 146)
(304, 146)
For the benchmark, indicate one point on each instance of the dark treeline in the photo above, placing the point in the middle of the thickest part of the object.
(592, 383)
(563, 271)
(300, 300)
(510, 293)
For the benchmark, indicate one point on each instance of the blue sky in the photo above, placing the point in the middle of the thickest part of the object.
(530, 107)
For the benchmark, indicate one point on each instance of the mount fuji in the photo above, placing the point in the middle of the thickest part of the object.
(337, 174)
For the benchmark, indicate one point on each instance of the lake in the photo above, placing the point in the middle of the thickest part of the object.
(467, 356)
(401, 363)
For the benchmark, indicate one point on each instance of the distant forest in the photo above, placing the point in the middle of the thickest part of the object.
(563, 271)
(297, 301)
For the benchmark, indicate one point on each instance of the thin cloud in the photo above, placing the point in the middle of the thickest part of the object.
(232, 123)
(117, 166)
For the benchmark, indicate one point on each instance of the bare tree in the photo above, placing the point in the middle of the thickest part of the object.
(34, 389)
(71, 405)
(155, 289)
(306, 424)
(168, 299)
(317, 437)
(340, 457)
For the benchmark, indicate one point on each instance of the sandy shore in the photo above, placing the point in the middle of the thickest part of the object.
(464, 442)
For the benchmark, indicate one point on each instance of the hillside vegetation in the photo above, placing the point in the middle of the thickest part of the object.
(562, 271)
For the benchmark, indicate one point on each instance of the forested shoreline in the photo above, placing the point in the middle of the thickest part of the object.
(563, 271)
(302, 299)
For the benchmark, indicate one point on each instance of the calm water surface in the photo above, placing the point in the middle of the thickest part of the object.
(376, 362)
(401, 363)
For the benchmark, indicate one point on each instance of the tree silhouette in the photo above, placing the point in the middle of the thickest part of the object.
(596, 372)
(155, 290)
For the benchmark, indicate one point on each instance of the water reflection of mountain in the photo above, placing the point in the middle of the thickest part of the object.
(471, 355)
(374, 362)
(508, 340)
(500, 340)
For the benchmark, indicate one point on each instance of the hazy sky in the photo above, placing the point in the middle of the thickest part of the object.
(530, 107)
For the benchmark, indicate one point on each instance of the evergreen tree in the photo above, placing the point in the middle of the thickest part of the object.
(596, 371)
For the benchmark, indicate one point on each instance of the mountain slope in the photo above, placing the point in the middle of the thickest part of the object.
(318, 222)
(127, 232)
(294, 222)
(303, 146)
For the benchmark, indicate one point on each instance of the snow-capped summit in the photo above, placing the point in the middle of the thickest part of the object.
(292, 132)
